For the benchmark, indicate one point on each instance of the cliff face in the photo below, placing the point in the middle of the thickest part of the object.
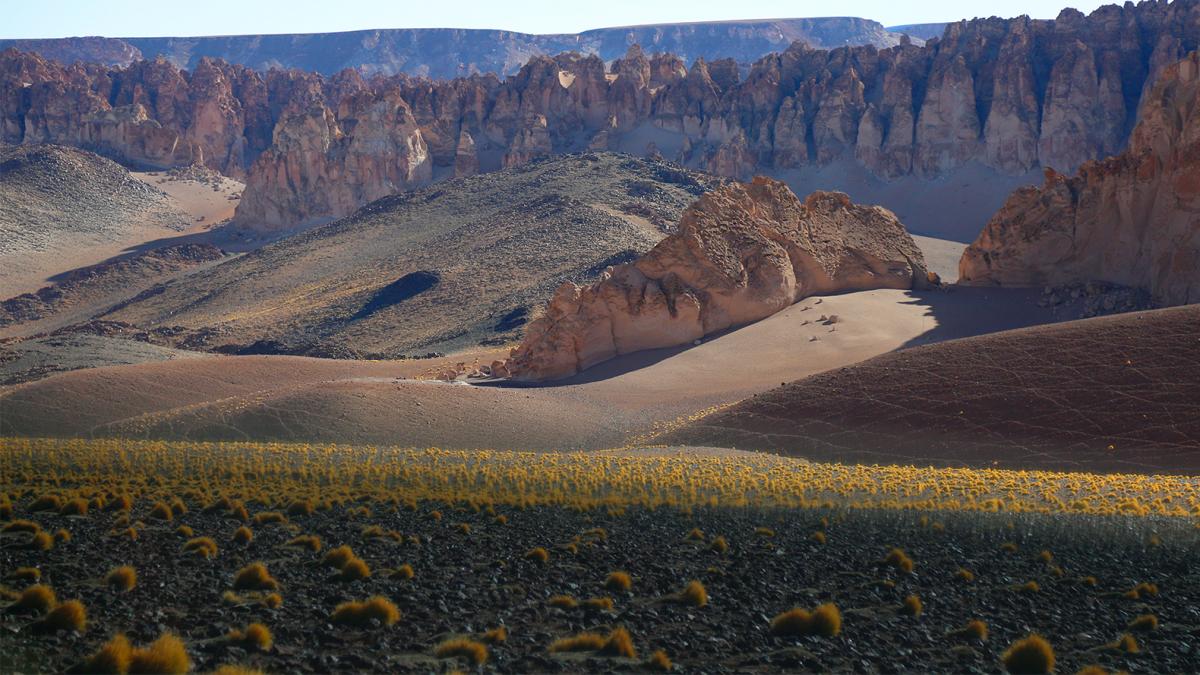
(1132, 219)
(742, 253)
(1011, 95)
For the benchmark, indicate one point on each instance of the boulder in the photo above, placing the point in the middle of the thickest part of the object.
(742, 253)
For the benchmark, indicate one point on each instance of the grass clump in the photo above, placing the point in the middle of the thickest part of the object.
(268, 517)
(185, 531)
(301, 508)
(404, 571)
(362, 614)
(255, 636)
(598, 604)
(696, 534)
(617, 643)
(38, 598)
(70, 615)
(243, 535)
(825, 620)
(912, 606)
(474, 652)
(964, 574)
(113, 658)
(272, 600)
(201, 546)
(355, 569)
(818, 537)
(659, 662)
(618, 581)
(309, 541)
(562, 602)
(122, 578)
(1144, 623)
(74, 507)
(232, 669)
(24, 574)
(1029, 587)
(1142, 590)
(1008, 547)
(165, 655)
(338, 557)
(22, 526)
(1126, 643)
(899, 559)
(161, 511)
(719, 545)
(46, 503)
(694, 594)
(62, 536)
(1029, 656)
(42, 541)
(974, 630)
(254, 577)
(764, 532)
(538, 555)
(496, 636)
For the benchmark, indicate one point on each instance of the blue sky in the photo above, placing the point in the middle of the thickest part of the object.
(140, 18)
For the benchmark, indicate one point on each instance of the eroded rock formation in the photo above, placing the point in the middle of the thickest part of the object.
(742, 253)
(1009, 94)
(1132, 219)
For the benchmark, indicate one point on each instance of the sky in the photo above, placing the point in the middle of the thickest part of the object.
(139, 18)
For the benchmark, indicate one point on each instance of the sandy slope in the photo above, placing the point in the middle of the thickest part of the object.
(1117, 393)
(191, 208)
(622, 400)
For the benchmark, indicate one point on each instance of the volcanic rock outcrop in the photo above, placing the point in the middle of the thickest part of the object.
(1010, 95)
(742, 253)
(1132, 219)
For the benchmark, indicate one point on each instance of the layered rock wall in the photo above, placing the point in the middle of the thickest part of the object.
(1010, 94)
(1132, 219)
(742, 253)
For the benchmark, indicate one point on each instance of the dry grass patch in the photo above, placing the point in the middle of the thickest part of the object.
(1126, 644)
(619, 581)
(694, 594)
(495, 636)
(898, 559)
(912, 606)
(70, 615)
(538, 555)
(254, 577)
(338, 557)
(201, 546)
(974, 630)
(162, 511)
(166, 655)
(24, 574)
(355, 569)
(964, 574)
(22, 526)
(74, 507)
(122, 578)
(474, 652)
(243, 535)
(659, 662)
(38, 598)
(1144, 623)
(268, 517)
(309, 541)
(825, 620)
(362, 614)
(255, 636)
(46, 503)
(562, 602)
(1029, 656)
(598, 604)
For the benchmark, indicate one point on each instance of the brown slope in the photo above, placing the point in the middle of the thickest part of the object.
(1118, 393)
(443, 268)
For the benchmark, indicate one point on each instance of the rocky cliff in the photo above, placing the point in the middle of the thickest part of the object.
(454, 52)
(1008, 95)
(1132, 219)
(742, 253)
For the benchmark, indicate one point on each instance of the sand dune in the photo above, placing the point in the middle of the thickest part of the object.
(624, 400)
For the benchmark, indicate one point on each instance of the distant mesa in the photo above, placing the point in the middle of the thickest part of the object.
(742, 253)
